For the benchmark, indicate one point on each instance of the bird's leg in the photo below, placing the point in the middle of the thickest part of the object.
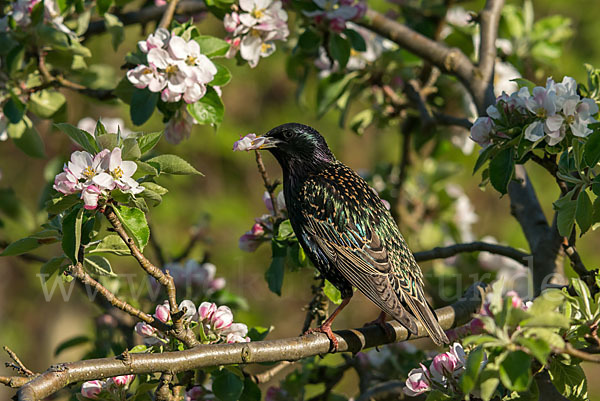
(380, 321)
(326, 326)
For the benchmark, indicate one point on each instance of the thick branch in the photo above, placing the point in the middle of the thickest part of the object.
(147, 14)
(489, 18)
(478, 246)
(14, 381)
(544, 240)
(288, 349)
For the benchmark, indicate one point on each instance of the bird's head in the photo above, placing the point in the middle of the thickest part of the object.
(297, 146)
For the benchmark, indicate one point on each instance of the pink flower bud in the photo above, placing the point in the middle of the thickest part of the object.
(206, 310)
(222, 318)
(417, 382)
(517, 302)
(163, 313)
(337, 24)
(445, 363)
(257, 230)
(194, 394)
(91, 389)
(144, 329)
(218, 284)
(122, 381)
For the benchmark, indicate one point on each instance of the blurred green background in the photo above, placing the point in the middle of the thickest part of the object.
(230, 195)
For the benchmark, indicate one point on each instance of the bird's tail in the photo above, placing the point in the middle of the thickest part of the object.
(427, 317)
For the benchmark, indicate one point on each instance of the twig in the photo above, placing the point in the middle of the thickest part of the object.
(267, 375)
(164, 278)
(18, 365)
(163, 391)
(317, 308)
(390, 389)
(168, 15)
(14, 381)
(576, 262)
(579, 353)
(447, 120)
(77, 271)
(477, 246)
(289, 349)
(413, 92)
(269, 186)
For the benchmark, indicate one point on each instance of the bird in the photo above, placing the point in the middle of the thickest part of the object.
(347, 232)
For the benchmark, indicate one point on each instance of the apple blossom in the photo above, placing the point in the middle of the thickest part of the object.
(144, 76)
(90, 196)
(254, 27)
(206, 310)
(179, 127)
(121, 172)
(248, 142)
(66, 183)
(190, 310)
(417, 382)
(144, 329)
(444, 364)
(91, 389)
(158, 39)
(481, 131)
(222, 318)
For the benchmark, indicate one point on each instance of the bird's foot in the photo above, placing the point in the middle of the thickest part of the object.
(380, 321)
(325, 329)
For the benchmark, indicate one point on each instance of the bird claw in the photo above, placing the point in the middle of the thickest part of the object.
(325, 329)
(380, 321)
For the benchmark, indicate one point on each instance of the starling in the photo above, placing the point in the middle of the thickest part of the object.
(345, 229)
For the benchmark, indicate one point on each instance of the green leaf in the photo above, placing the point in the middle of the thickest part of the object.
(258, 333)
(108, 141)
(112, 243)
(524, 83)
(14, 109)
(547, 319)
(362, 120)
(488, 383)
(566, 211)
(134, 222)
(154, 187)
(584, 214)
(209, 109)
(339, 48)
(115, 28)
(98, 266)
(71, 229)
(81, 137)
(274, 275)
(469, 377)
(147, 142)
(171, 164)
(330, 89)
(131, 149)
(285, 230)
(251, 391)
(437, 395)
(21, 246)
(57, 205)
(46, 103)
(538, 348)
(143, 103)
(227, 386)
(211, 46)
(356, 39)
(309, 41)
(515, 371)
(502, 167)
(332, 293)
(144, 168)
(102, 6)
(50, 267)
(569, 380)
(70, 343)
(222, 77)
(30, 141)
(591, 153)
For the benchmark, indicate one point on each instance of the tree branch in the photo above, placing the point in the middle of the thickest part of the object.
(477, 246)
(269, 186)
(168, 15)
(288, 349)
(165, 279)
(147, 14)
(17, 365)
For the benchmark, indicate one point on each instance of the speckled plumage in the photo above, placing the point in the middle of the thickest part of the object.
(345, 229)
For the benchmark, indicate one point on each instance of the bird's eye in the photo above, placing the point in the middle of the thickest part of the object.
(287, 134)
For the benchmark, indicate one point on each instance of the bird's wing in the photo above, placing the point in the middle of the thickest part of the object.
(364, 265)
(383, 269)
